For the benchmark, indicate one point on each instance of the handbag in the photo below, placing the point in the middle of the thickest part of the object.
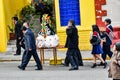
(95, 40)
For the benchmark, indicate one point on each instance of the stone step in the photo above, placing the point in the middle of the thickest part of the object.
(11, 42)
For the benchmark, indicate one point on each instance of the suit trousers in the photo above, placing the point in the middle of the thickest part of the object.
(18, 51)
(106, 50)
(27, 56)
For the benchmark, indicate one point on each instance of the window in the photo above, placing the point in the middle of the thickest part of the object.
(69, 9)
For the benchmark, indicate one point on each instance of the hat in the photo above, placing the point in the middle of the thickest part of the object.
(117, 44)
(24, 28)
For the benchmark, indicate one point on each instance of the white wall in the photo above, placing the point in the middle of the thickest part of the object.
(113, 11)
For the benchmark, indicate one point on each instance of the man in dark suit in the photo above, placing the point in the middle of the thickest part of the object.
(108, 40)
(18, 34)
(25, 24)
(30, 48)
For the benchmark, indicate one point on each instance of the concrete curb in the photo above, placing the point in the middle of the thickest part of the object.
(10, 60)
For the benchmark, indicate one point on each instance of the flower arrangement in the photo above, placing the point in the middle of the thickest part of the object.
(45, 20)
(47, 37)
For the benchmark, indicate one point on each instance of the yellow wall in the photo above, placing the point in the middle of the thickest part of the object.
(87, 9)
(3, 39)
(8, 8)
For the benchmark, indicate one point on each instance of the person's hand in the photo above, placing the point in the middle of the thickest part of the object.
(67, 27)
(30, 49)
(103, 40)
(19, 38)
(115, 61)
(20, 43)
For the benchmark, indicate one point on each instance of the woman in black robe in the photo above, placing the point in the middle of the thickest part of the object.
(73, 53)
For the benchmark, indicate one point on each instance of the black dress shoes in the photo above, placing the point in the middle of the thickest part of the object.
(21, 68)
(81, 65)
(67, 65)
(73, 68)
(101, 64)
(94, 65)
(16, 54)
(105, 65)
(38, 69)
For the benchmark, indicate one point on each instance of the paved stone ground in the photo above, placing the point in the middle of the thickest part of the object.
(9, 71)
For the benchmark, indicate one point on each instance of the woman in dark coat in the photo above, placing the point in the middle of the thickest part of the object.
(72, 45)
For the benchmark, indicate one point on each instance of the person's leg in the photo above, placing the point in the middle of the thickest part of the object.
(26, 59)
(71, 59)
(66, 62)
(23, 45)
(80, 61)
(75, 57)
(37, 60)
(109, 51)
(104, 52)
(23, 56)
(94, 61)
(100, 58)
(18, 51)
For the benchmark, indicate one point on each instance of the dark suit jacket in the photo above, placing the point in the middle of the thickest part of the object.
(72, 38)
(110, 27)
(29, 40)
(108, 41)
(18, 32)
(22, 41)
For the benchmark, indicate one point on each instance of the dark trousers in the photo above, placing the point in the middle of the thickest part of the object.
(27, 57)
(18, 51)
(80, 62)
(72, 56)
(23, 57)
(24, 53)
(116, 79)
(106, 50)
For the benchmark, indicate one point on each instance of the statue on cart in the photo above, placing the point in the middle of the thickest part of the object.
(46, 37)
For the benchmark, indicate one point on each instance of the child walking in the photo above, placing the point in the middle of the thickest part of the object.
(96, 47)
